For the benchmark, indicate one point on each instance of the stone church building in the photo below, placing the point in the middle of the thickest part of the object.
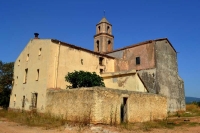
(142, 78)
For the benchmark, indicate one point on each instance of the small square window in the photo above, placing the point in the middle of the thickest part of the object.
(101, 71)
(137, 60)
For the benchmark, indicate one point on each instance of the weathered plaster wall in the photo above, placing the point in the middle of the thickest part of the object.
(37, 60)
(126, 59)
(70, 59)
(168, 82)
(103, 105)
(128, 80)
(149, 78)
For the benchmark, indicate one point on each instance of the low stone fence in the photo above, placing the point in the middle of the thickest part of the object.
(104, 105)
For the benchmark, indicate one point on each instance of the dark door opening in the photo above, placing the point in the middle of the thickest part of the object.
(23, 102)
(34, 100)
(124, 110)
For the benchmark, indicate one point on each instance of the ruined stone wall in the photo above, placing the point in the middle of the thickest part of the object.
(103, 105)
(168, 82)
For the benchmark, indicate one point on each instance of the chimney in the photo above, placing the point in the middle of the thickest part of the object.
(36, 35)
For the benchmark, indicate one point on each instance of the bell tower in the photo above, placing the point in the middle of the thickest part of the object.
(103, 40)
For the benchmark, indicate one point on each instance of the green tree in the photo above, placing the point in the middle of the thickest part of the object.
(6, 78)
(83, 79)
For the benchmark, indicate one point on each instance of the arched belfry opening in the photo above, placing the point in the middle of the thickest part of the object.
(97, 42)
(108, 29)
(99, 29)
(103, 39)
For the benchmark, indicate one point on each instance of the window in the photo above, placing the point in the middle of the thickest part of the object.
(101, 61)
(38, 73)
(101, 71)
(40, 50)
(25, 76)
(109, 42)
(18, 62)
(34, 100)
(137, 60)
(108, 29)
(99, 29)
(16, 80)
(14, 100)
(97, 45)
(82, 61)
(27, 57)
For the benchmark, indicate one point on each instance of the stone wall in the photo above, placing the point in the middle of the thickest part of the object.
(168, 82)
(104, 105)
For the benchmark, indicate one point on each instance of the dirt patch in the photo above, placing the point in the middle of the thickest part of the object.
(192, 126)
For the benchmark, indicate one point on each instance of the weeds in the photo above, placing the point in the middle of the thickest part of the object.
(33, 118)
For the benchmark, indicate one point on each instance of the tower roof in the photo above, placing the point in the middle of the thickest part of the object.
(104, 20)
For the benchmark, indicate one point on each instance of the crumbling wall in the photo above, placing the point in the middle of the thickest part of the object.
(103, 105)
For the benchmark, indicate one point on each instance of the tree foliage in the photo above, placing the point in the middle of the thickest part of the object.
(6, 78)
(83, 79)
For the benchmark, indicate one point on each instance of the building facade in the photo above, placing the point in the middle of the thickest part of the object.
(147, 67)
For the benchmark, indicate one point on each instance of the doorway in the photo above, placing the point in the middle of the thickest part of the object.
(124, 109)
(23, 102)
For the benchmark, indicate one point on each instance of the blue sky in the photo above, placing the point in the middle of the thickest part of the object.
(74, 21)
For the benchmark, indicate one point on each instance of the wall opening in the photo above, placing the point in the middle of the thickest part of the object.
(14, 100)
(40, 51)
(108, 29)
(101, 61)
(23, 102)
(18, 62)
(101, 71)
(99, 29)
(25, 76)
(16, 80)
(97, 45)
(109, 42)
(38, 73)
(137, 60)
(27, 57)
(124, 109)
(34, 100)
(81, 61)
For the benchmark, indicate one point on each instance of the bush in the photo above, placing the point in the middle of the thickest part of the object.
(83, 79)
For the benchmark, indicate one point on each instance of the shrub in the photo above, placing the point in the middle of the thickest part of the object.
(83, 79)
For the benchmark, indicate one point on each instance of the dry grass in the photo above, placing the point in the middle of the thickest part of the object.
(33, 118)
(48, 121)
(191, 111)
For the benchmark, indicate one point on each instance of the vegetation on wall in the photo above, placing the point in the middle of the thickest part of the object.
(83, 79)
(6, 78)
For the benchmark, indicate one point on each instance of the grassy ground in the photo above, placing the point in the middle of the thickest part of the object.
(32, 118)
(48, 121)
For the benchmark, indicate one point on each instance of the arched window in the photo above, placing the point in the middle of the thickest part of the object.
(109, 42)
(99, 29)
(108, 29)
(97, 45)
